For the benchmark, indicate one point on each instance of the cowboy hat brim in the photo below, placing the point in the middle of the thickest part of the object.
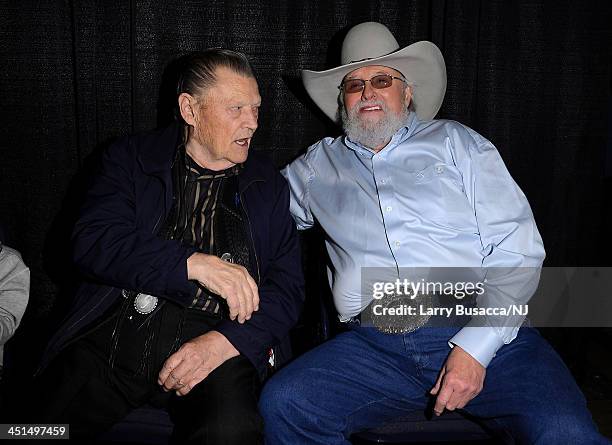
(421, 64)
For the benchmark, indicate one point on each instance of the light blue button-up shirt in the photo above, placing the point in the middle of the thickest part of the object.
(438, 195)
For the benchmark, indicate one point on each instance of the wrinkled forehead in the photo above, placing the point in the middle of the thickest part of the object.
(365, 72)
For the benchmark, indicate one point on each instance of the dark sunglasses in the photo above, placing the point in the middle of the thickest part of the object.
(379, 82)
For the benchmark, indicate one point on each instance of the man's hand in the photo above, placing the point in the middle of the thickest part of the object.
(230, 281)
(194, 361)
(460, 380)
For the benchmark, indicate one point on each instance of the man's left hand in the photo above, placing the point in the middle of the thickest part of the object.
(460, 380)
(193, 362)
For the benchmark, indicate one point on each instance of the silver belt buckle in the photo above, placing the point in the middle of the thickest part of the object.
(145, 303)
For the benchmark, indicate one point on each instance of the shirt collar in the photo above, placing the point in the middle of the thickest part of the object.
(400, 136)
(197, 173)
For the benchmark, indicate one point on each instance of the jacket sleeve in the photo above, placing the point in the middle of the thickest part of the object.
(109, 245)
(281, 291)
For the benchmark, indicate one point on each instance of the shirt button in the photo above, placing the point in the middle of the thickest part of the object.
(389, 208)
(383, 181)
(397, 244)
(439, 169)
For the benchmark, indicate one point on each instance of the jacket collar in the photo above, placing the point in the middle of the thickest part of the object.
(157, 151)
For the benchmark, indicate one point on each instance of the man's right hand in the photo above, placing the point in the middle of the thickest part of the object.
(230, 281)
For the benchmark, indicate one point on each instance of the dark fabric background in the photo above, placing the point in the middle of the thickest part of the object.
(534, 77)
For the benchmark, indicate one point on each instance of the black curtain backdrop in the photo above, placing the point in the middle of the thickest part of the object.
(533, 77)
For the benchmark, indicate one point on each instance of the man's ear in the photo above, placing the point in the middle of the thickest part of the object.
(407, 95)
(186, 104)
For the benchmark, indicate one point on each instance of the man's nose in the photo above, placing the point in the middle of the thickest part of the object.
(368, 92)
(251, 119)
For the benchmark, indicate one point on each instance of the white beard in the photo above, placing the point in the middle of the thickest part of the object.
(372, 134)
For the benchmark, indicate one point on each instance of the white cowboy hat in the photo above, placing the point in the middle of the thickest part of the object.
(371, 43)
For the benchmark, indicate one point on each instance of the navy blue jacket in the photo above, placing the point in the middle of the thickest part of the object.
(115, 245)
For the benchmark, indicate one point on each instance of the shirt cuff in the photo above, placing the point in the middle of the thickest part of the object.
(480, 342)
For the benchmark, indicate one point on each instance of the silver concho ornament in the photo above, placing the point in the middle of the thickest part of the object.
(399, 324)
(145, 303)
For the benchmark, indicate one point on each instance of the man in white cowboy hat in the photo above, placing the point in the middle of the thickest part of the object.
(400, 190)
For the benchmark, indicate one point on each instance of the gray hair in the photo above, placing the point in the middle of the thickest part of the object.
(197, 70)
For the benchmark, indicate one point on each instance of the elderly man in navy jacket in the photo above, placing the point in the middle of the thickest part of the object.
(193, 266)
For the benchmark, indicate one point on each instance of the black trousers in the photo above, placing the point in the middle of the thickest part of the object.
(82, 389)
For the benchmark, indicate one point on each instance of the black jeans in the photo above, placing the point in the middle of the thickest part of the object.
(81, 388)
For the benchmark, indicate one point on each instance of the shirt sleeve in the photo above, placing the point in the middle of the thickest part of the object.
(14, 293)
(513, 251)
(299, 175)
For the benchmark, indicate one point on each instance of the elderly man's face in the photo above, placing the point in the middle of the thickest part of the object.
(224, 120)
(396, 97)
(372, 115)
